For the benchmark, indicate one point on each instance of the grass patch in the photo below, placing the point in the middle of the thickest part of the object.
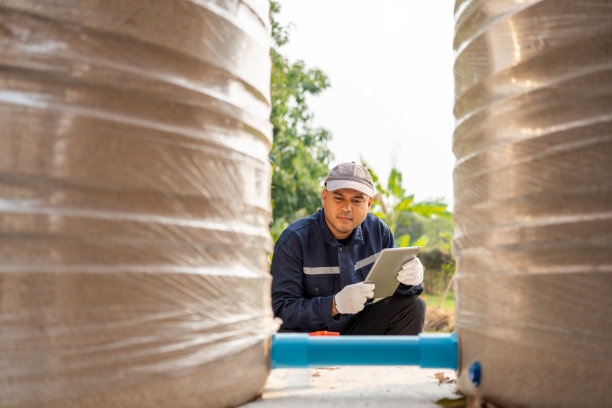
(439, 320)
(434, 300)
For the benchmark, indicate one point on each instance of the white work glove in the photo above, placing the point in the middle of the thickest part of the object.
(411, 273)
(351, 299)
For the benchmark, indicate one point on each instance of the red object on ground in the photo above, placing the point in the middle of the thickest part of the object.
(324, 333)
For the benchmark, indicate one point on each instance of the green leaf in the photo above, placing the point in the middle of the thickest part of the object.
(379, 215)
(394, 184)
(426, 209)
(403, 241)
(453, 403)
(405, 204)
(421, 242)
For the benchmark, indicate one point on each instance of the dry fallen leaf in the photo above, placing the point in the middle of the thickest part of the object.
(442, 379)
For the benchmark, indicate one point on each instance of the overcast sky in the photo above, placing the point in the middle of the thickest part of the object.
(390, 64)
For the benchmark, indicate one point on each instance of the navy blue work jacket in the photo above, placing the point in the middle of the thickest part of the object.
(309, 266)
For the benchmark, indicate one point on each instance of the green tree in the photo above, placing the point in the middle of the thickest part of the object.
(428, 224)
(439, 232)
(405, 217)
(300, 157)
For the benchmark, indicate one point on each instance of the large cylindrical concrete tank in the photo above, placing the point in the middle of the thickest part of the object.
(134, 202)
(533, 200)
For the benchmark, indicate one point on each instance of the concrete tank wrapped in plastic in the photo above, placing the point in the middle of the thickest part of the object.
(134, 202)
(533, 194)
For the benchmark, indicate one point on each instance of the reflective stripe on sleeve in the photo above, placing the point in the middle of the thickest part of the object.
(366, 261)
(323, 270)
(331, 270)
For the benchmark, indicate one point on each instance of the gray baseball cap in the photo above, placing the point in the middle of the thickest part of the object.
(350, 175)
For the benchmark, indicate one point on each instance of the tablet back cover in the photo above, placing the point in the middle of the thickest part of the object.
(384, 270)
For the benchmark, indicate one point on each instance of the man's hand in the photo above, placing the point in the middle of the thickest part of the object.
(351, 299)
(411, 272)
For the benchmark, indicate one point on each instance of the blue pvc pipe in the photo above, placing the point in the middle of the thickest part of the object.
(425, 350)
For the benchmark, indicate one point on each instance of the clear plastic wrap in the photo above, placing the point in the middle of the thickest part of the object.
(533, 200)
(134, 202)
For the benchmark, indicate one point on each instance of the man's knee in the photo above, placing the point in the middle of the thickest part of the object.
(415, 303)
(420, 305)
(411, 314)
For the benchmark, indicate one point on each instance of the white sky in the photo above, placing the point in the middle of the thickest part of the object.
(390, 64)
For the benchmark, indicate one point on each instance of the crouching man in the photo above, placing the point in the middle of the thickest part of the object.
(320, 262)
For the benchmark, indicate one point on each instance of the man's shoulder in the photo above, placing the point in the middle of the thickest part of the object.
(373, 221)
(376, 234)
(304, 223)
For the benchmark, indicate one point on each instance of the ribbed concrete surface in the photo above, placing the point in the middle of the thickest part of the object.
(355, 387)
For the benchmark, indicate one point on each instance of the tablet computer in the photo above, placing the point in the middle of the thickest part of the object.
(384, 271)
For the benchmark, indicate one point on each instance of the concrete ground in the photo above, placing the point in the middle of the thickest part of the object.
(354, 387)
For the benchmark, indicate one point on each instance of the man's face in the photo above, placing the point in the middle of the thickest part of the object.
(344, 210)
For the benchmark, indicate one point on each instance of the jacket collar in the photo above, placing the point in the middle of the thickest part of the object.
(356, 237)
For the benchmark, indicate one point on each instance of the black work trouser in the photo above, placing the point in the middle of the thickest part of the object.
(397, 314)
